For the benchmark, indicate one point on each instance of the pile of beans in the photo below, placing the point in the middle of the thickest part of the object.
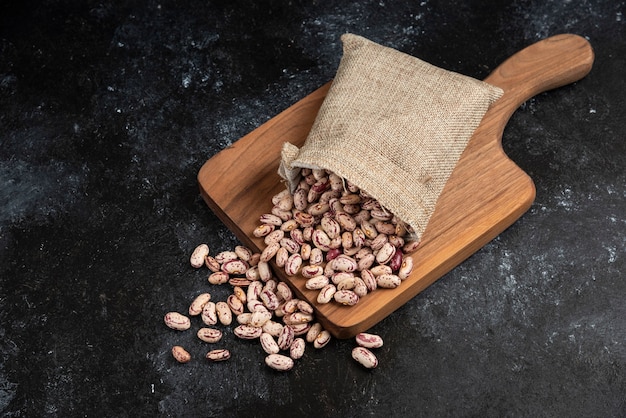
(262, 309)
(340, 239)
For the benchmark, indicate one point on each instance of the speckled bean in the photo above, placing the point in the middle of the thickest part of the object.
(316, 257)
(239, 293)
(300, 199)
(313, 332)
(318, 208)
(381, 214)
(362, 216)
(235, 304)
(239, 281)
(388, 281)
(346, 297)
(293, 264)
(396, 261)
(336, 182)
(304, 219)
(305, 306)
(247, 332)
(260, 318)
(211, 263)
(385, 253)
(339, 277)
(300, 329)
(219, 277)
(220, 354)
(410, 247)
(225, 256)
(281, 257)
(270, 251)
(346, 221)
(177, 321)
(344, 263)
(286, 203)
(309, 271)
(296, 350)
(360, 288)
(297, 235)
(350, 199)
(368, 340)
(224, 314)
(269, 299)
(328, 195)
(254, 290)
(335, 205)
(386, 228)
(274, 236)
(270, 219)
(254, 305)
(268, 343)
(235, 267)
(209, 314)
(284, 291)
(369, 279)
(305, 251)
(284, 215)
(358, 238)
(365, 357)
(197, 256)
(322, 339)
(369, 230)
(280, 196)
(290, 245)
(265, 272)
(180, 354)
(307, 233)
(347, 283)
(321, 240)
(366, 262)
(317, 282)
(346, 240)
(406, 268)
(289, 225)
(290, 306)
(198, 304)
(378, 242)
(297, 318)
(244, 253)
(263, 230)
(326, 293)
(273, 328)
(244, 318)
(279, 362)
(285, 338)
(381, 269)
(252, 273)
(209, 335)
(396, 241)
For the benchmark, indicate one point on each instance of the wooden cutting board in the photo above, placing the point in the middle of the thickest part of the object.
(485, 194)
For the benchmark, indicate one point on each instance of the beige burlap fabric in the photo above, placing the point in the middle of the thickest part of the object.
(393, 125)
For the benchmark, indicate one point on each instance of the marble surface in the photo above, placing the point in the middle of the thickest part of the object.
(109, 109)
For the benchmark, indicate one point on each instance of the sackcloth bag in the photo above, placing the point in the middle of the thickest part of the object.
(393, 125)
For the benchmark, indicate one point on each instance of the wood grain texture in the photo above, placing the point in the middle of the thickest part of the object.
(485, 194)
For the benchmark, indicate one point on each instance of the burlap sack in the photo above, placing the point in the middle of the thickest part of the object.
(393, 125)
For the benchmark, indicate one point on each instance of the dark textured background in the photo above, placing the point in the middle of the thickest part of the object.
(109, 109)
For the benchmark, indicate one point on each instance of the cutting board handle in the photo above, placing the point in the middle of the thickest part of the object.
(545, 65)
